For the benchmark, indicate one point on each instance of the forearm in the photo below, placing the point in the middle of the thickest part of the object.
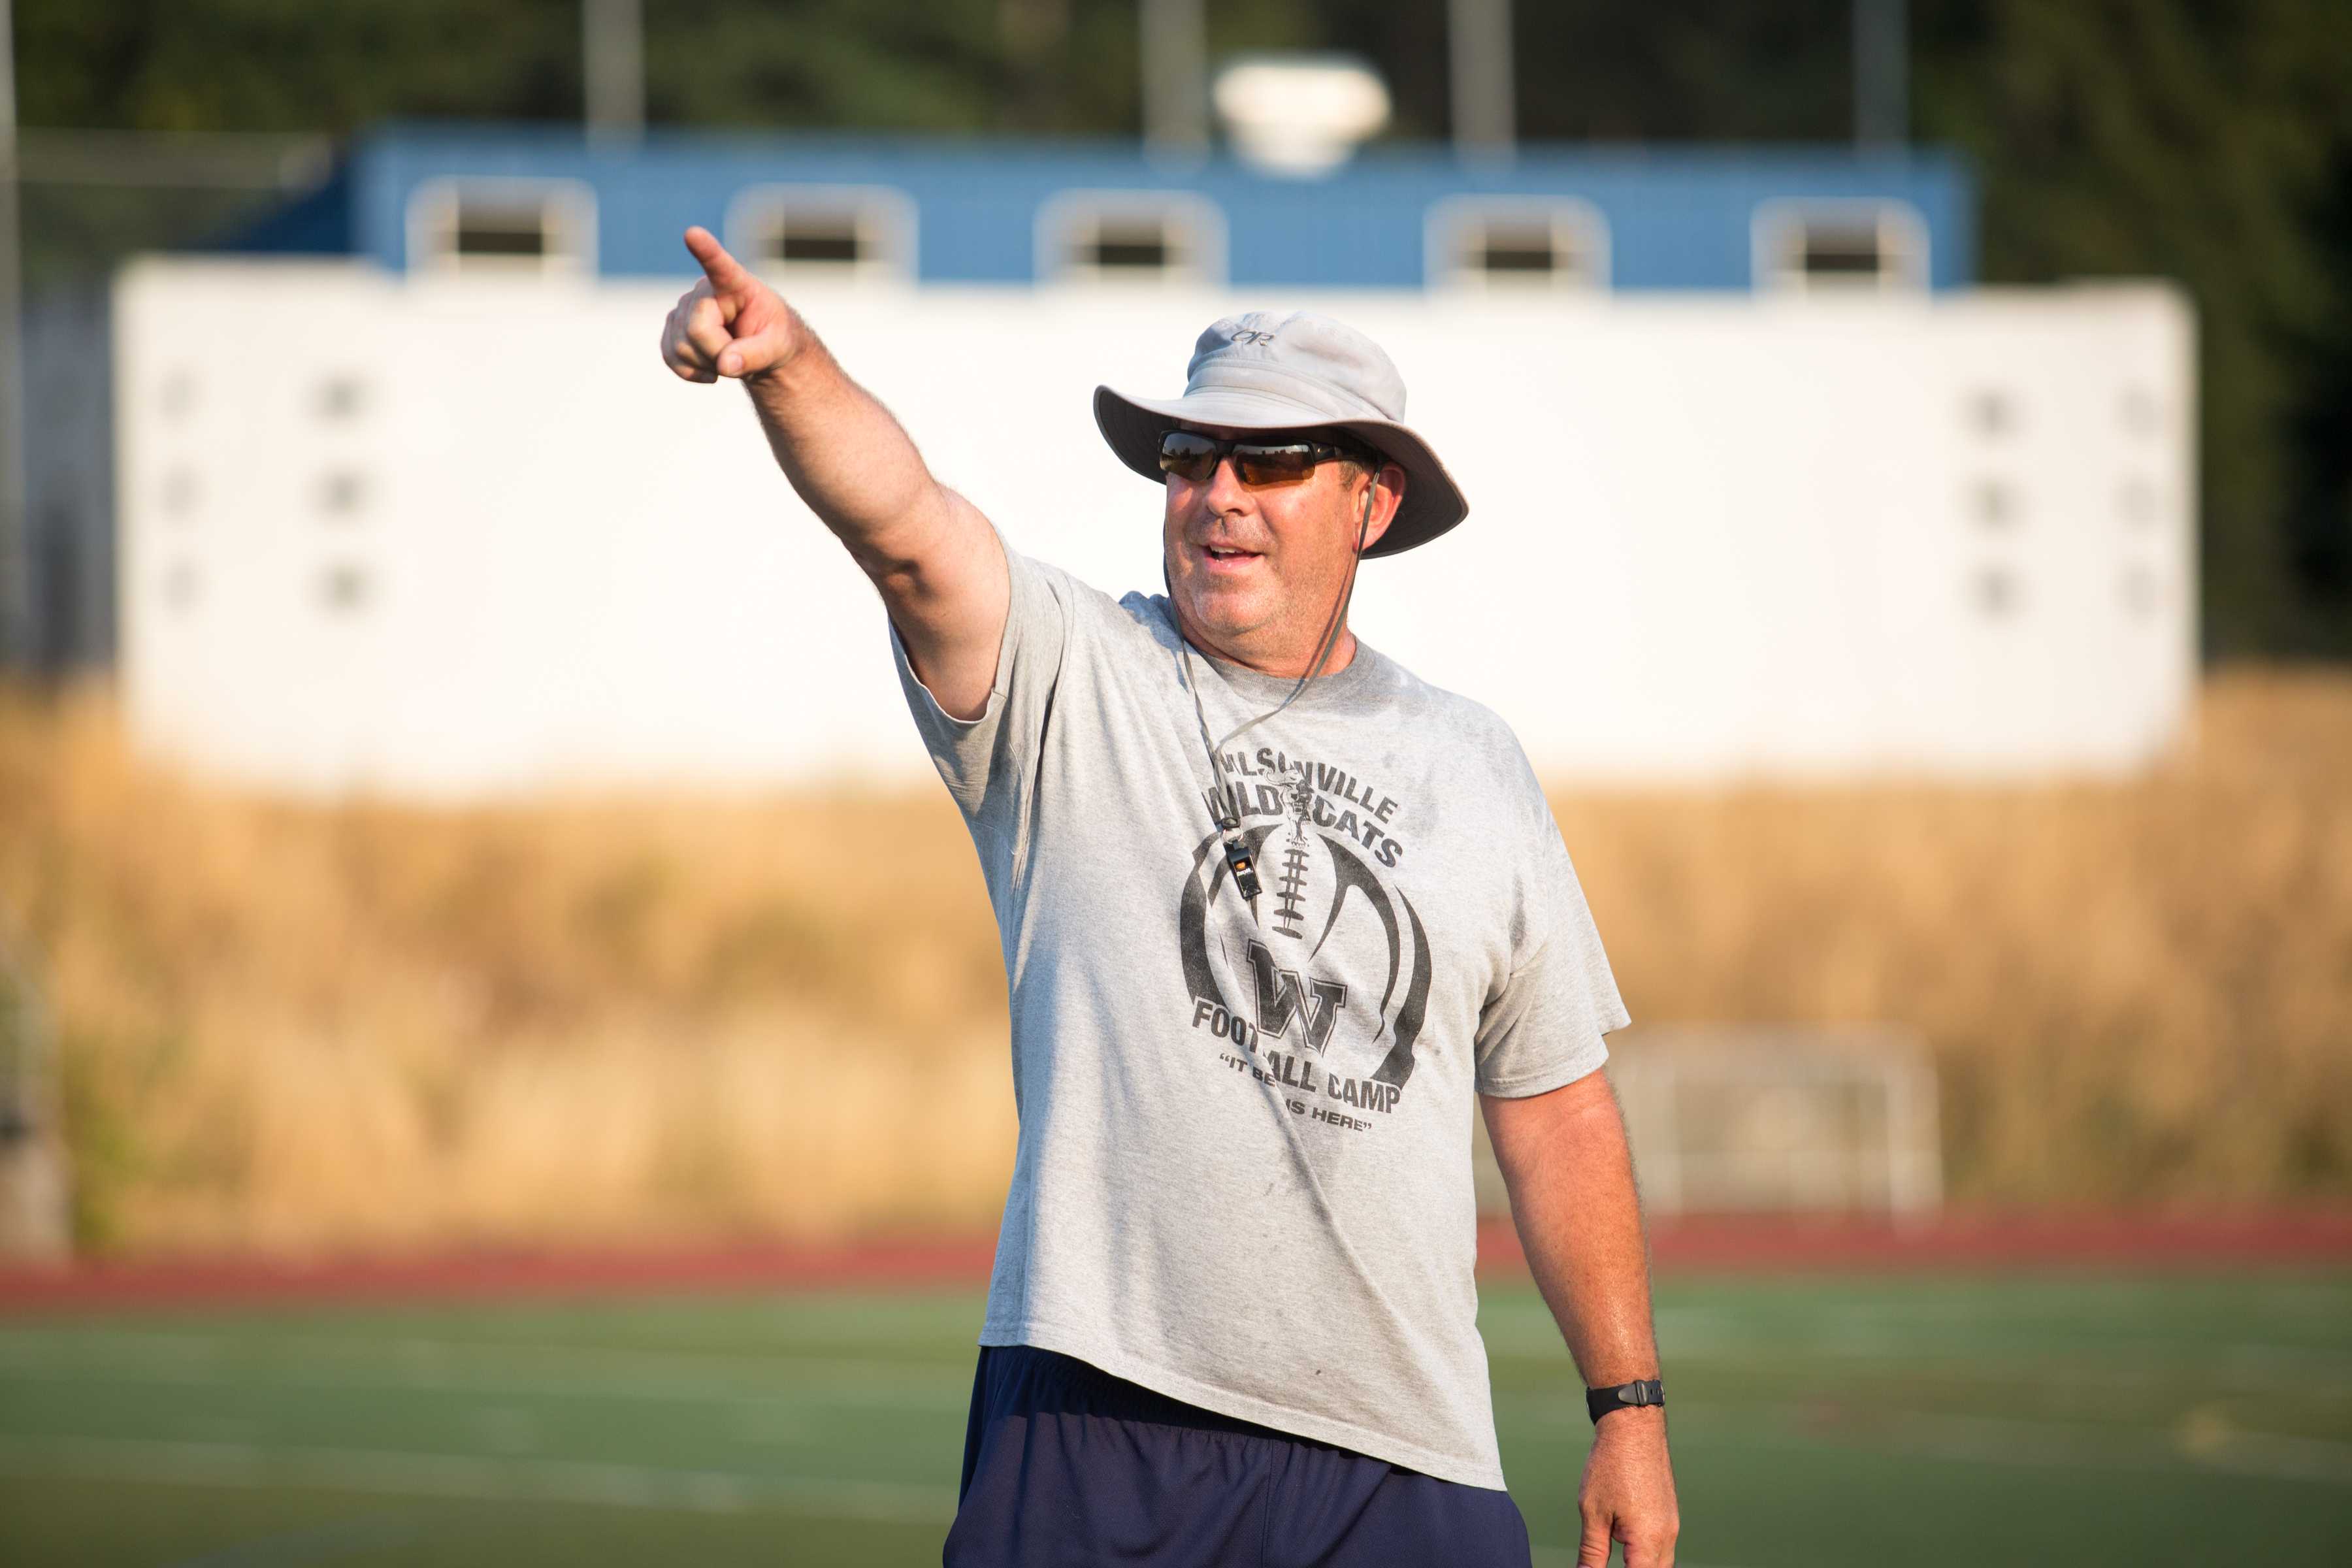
(849, 460)
(1565, 1159)
(1571, 1176)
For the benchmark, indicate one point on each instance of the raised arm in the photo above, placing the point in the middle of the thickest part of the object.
(1571, 1176)
(933, 556)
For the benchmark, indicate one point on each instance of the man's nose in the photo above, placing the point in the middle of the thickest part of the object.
(1226, 492)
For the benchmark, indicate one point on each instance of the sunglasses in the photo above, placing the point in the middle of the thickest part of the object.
(1189, 455)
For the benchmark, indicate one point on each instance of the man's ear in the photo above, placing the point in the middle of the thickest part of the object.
(1386, 493)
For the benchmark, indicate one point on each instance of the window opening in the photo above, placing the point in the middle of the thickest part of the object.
(1840, 247)
(1146, 238)
(543, 226)
(818, 231)
(1478, 242)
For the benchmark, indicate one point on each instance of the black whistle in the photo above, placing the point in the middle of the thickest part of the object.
(1244, 867)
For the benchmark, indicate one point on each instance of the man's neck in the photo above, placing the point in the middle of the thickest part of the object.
(1286, 664)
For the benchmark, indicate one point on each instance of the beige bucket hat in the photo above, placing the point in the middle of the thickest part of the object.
(1271, 371)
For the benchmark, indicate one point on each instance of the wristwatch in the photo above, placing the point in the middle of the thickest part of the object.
(1600, 1401)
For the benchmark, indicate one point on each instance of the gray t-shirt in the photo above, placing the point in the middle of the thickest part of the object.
(1243, 1169)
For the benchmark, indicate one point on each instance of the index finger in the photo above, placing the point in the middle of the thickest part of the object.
(723, 270)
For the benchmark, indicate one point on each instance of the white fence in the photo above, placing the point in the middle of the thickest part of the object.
(464, 536)
(1731, 1119)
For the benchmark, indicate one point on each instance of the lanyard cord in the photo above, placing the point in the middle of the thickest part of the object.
(1228, 820)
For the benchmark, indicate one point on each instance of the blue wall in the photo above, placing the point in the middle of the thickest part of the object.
(1678, 219)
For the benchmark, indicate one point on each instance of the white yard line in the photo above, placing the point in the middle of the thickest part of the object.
(2001, 1440)
(383, 1472)
(2287, 1458)
(543, 1369)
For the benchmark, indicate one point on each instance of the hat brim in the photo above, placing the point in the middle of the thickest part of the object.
(1433, 502)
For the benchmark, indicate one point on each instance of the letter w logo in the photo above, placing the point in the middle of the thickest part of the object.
(1280, 999)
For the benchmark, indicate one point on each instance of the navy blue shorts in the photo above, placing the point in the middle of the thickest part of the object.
(1065, 1464)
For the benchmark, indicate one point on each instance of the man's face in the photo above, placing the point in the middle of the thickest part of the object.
(1255, 571)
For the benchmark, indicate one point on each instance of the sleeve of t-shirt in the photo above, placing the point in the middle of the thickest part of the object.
(991, 760)
(1543, 1026)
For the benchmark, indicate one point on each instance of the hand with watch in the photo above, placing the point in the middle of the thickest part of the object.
(1627, 1477)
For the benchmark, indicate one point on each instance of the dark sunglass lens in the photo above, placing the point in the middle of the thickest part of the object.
(1187, 456)
(1274, 464)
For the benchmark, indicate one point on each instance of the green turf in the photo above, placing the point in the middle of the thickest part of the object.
(1820, 1422)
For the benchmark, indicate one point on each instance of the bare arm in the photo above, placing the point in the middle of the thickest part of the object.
(1571, 1176)
(933, 556)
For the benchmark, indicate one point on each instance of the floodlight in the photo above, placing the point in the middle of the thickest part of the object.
(1299, 115)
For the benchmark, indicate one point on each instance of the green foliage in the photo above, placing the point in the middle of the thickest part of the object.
(878, 63)
(2319, 364)
(1707, 70)
(102, 1150)
(293, 65)
(2204, 141)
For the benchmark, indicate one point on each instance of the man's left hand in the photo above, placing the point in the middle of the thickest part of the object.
(1628, 1493)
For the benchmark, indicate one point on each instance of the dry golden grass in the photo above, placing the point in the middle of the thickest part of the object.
(296, 1026)
(2136, 994)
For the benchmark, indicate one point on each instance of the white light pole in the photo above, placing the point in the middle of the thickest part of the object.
(16, 548)
(1882, 75)
(1478, 51)
(612, 46)
(1175, 62)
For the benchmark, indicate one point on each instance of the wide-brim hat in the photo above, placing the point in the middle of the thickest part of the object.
(1270, 370)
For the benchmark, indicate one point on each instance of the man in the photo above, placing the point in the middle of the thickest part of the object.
(1273, 910)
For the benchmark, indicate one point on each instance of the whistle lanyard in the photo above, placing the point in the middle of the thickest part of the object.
(1238, 858)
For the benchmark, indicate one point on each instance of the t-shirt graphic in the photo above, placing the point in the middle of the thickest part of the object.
(1243, 1177)
(1271, 981)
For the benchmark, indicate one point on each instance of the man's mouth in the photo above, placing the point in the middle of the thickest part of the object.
(1226, 552)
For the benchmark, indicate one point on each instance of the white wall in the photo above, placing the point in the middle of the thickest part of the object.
(1709, 536)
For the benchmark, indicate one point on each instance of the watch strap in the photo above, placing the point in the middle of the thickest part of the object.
(1600, 1401)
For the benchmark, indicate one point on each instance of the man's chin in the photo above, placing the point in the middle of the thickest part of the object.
(1223, 616)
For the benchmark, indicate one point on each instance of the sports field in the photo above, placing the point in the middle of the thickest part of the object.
(1818, 1421)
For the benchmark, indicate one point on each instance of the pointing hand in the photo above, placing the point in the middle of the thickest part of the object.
(729, 323)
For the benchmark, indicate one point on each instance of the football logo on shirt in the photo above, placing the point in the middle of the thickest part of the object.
(1326, 984)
